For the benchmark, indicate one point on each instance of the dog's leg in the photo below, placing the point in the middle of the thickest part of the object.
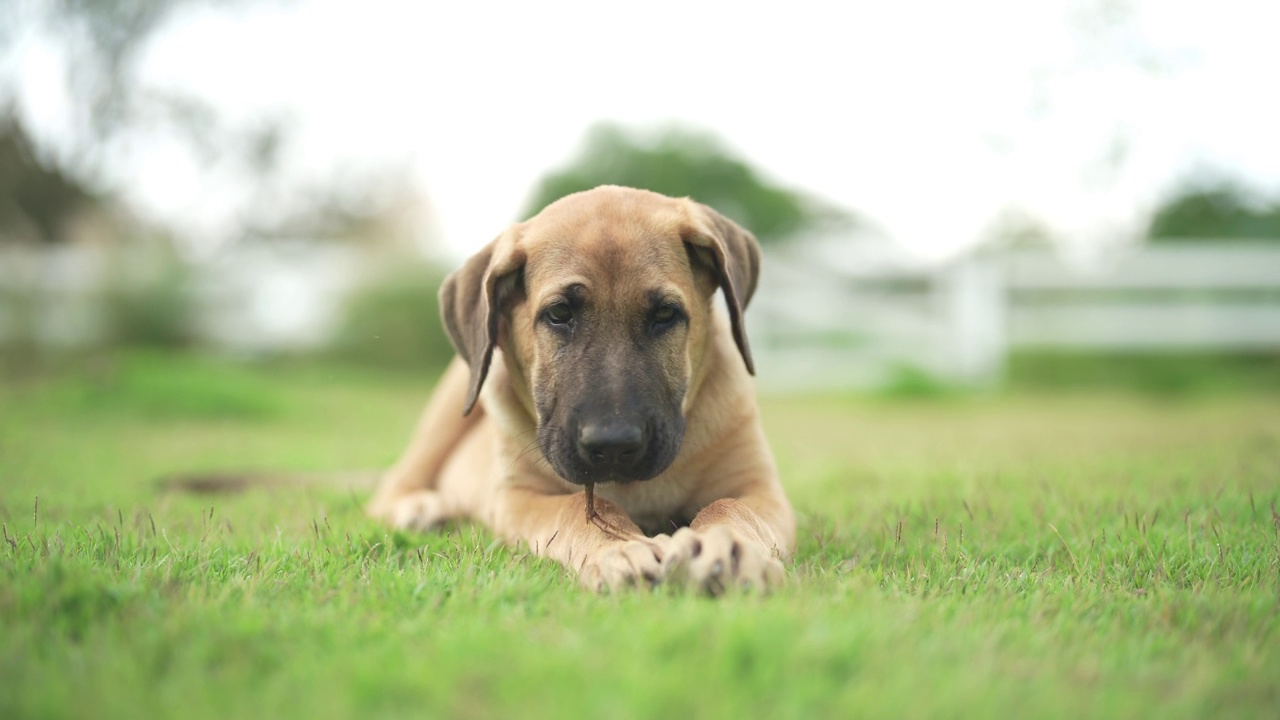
(408, 483)
(733, 543)
(608, 553)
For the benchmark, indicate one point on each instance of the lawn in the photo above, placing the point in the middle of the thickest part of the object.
(1034, 554)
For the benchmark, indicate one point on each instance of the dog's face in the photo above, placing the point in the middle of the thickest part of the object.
(602, 303)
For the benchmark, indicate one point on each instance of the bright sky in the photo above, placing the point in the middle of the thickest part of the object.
(928, 116)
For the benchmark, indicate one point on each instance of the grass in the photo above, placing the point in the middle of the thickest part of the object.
(1027, 555)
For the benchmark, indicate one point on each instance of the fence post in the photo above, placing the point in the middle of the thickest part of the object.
(974, 302)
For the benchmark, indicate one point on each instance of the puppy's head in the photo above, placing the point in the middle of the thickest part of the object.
(603, 303)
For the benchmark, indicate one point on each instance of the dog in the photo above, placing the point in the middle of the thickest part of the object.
(591, 358)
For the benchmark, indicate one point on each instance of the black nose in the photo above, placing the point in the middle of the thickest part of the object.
(611, 443)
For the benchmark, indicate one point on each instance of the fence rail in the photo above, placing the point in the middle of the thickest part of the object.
(819, 328)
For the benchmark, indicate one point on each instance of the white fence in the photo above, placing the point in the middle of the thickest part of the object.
(285, 295)
(1192, 297)
(813, 327)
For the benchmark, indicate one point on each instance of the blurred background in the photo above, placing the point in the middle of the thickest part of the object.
(951, 196)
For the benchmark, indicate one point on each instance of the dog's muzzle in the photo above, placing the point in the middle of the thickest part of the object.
(612, 448)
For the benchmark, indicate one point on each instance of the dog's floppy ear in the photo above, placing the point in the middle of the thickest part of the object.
(735, 255)
(471, 304)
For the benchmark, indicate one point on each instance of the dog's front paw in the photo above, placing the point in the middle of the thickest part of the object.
(421, 510)
(634, 563)
(714, 560)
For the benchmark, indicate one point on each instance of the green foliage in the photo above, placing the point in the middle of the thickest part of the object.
(1164, 374)
(680, 163)
(394, 323)
(155, 311)
(142, 301)
(907, 382)
(1086, 555)
(1218, 211)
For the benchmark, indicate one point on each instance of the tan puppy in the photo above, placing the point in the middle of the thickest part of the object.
(588, 336)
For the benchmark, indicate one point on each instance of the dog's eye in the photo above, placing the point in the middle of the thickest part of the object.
(665, 315)
(559, 314)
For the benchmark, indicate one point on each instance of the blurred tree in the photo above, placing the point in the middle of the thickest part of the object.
(681, 162)
(36, 201)
(1015, 228)
(99, 42)
(98, 45)
(1219, 210)
(45, 184)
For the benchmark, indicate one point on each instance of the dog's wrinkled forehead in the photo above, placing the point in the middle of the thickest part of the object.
(620, 242)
